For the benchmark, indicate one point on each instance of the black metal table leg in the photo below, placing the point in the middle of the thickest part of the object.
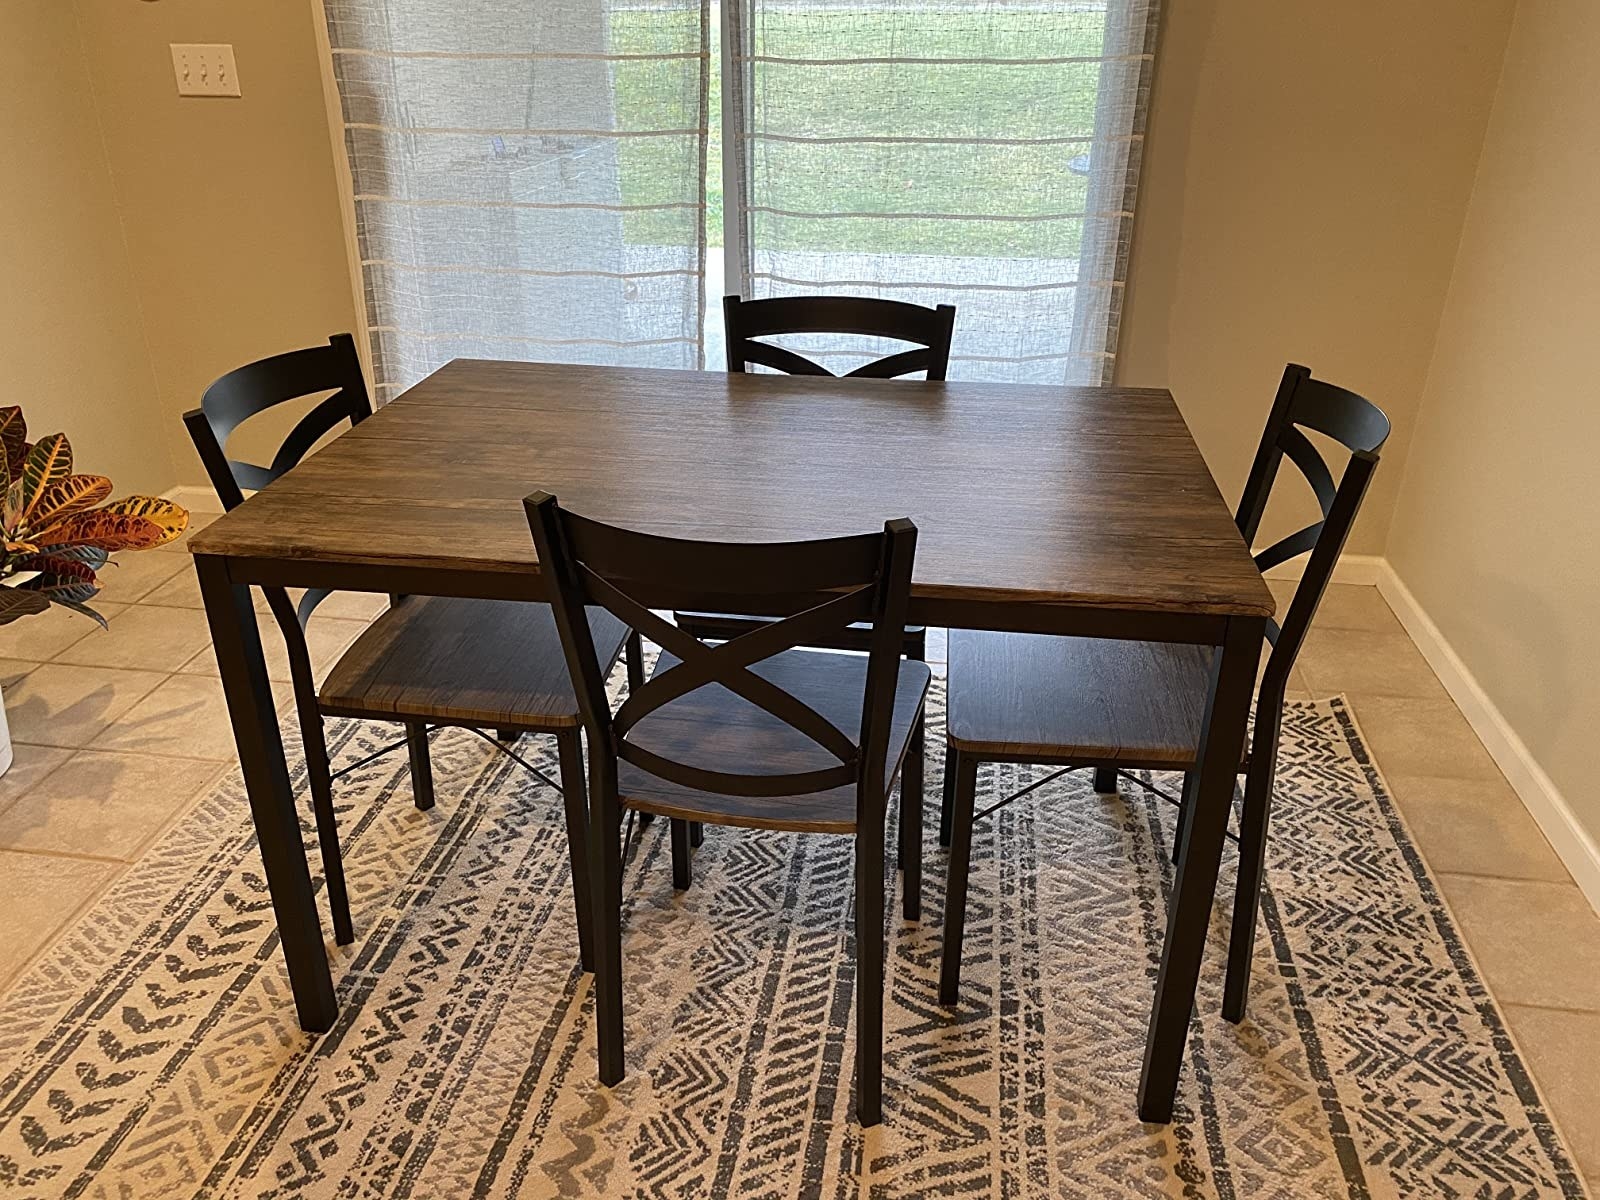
(1199, 855)
(237, 642)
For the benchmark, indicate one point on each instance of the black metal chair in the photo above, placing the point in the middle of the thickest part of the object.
(929, 329)
(1125, 706)
(750, 732)
(427, 661)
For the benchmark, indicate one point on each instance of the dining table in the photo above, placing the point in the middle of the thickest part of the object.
(1040, 509)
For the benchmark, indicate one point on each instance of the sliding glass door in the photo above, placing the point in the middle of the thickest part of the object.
(981, 153)
(531, 179)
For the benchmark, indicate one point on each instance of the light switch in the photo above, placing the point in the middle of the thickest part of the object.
(205, 70)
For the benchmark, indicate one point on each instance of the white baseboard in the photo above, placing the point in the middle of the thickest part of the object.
(1573, 844)
(195, 499)
(1366, 569)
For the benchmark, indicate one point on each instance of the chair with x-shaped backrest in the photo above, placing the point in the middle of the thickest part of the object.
(748, 321)
(428, 660)
(1121, 707)
(752, 731)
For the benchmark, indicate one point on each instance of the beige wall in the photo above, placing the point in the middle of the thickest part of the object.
(1306, 174)
(1497, 530)
(72, 350)
(231, 207)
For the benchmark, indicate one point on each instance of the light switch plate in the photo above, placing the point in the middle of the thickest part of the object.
(205, 70)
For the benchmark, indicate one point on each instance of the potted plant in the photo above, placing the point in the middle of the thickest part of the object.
(58, 532)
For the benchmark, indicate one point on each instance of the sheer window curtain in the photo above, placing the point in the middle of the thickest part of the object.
(529, 178)
(971, 152)
(530, 175)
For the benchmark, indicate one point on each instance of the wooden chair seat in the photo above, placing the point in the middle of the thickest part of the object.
(1091, 701)
(714, 627)
(715, 729)
(483, 663)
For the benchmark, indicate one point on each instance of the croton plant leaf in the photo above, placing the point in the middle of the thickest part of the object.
(48, 461)
(13, 438)
(67, 496)
(19, 602)
(172, 518)
(11, 506)
(93, 555)
(61, 578)
(52, 537)
(107, 530)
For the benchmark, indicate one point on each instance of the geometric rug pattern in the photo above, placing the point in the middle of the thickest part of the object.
(153, 1053)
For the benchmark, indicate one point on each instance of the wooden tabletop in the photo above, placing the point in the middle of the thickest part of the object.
(1023, 495)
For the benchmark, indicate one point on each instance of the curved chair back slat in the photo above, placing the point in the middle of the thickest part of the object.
(928, 329)
(254, 388)
(1359, 427)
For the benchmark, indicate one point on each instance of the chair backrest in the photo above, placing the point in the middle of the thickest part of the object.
(1357, 425)
(258, 386)
(254, 388)
(928, 329)
(862, 578)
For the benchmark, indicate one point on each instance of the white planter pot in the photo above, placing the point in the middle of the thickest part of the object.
(5, 738)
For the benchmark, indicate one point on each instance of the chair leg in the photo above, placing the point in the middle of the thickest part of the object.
(697, 834)
(605, 878)
(910, 847)
(952, 768)
(421, 764)
(869, 972)
(1105, 781)
(955, 891)
(682, 874)
(1184, 809)
(575, 800)
(635, 655)
(319, 773)
(1253, 823)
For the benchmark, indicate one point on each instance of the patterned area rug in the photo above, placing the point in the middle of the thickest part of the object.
(154, 1052)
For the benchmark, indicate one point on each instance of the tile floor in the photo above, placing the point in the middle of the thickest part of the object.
(117, 733)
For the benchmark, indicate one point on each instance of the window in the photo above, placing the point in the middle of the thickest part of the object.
(579, 180)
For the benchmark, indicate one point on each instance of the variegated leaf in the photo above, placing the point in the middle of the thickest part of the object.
(93, 555)
(172, 518)
(13, 438)
(48, 462)
(76, 593)
(107, 530)
(71, 495)
(60, 575)
(19, 602)
(11, 507)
